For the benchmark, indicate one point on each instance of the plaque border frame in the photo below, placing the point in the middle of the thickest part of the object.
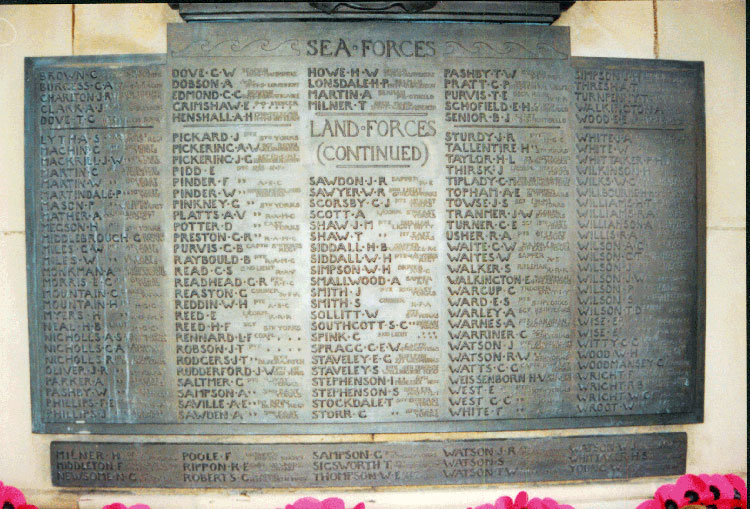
(696, 348)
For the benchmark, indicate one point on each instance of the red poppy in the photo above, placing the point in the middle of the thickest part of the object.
(719, 491)
(118, 505)
(689, 489)
(740, 488)
(522, 502)
(328, 503)
(650, 504)
(12, 498)
(709, 491)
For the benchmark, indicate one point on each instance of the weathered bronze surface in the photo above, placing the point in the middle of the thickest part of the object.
(176, 465)
(96, 207)
(364, 227)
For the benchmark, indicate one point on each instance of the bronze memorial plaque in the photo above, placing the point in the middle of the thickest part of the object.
(96, 206)
(246, 466)
(364, 227)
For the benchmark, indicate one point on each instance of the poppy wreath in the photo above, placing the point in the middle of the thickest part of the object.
(522, 502)
(700, 492)
(12, 498)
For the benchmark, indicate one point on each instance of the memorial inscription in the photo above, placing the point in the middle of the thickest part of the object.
(365, 227)
(639, 241)
(96, 215)
(181, 465)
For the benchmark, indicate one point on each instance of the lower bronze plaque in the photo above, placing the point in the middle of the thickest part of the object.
(175, 465)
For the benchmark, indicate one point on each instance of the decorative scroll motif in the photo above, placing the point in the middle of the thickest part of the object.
(408, 7)
(508, 49)
(239, 48)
